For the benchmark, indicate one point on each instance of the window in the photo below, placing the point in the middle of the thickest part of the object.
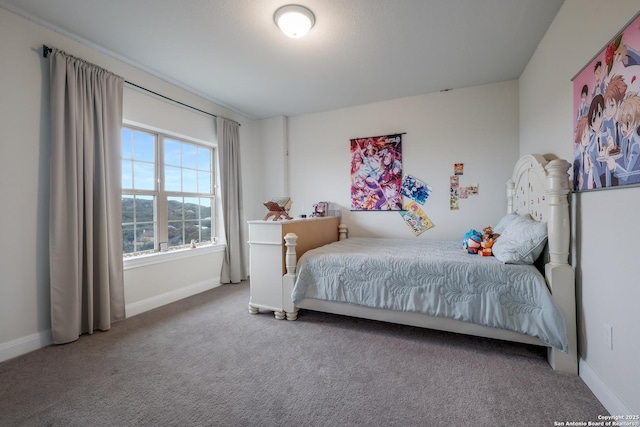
(167, 192)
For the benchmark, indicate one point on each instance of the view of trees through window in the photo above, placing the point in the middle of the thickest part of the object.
(189, 219)
(167, 198)
(138, 225)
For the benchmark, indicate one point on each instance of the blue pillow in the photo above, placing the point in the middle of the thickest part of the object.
(522, 241)
(502, 224)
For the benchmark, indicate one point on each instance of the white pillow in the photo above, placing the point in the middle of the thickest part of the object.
(522, 241)
(502, 224)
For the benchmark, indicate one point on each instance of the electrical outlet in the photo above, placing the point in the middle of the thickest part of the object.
(608, 336)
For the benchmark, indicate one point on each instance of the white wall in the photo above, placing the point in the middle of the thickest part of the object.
(167, 280)
(24, 170)
(605, 222)
(273, 135)
(477, 126)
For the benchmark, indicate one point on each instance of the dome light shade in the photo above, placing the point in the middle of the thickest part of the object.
(294, 20)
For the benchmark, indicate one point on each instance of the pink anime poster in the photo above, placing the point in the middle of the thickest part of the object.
(376, 173)
(606, 115)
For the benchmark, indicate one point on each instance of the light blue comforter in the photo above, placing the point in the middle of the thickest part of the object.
(437, 278)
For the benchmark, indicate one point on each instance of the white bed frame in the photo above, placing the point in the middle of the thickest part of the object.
(538, 187)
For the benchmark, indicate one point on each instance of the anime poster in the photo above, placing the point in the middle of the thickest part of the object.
(415, 218)
(415, 189)
(376, 173)
(606, 114)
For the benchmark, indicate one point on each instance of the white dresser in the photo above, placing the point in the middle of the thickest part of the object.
(267, 254)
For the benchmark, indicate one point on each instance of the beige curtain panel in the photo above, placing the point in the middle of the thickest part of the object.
(233, 267)
(85, 238)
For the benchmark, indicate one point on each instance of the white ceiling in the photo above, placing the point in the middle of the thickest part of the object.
(359, 51)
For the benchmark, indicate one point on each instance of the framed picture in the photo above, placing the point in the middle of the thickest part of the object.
(606, 115)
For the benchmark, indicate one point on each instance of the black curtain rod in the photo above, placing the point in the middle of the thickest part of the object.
(389, 134)
(170, 99)
(46, 50)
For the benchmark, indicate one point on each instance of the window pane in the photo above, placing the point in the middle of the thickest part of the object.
(128, 239)
(145, 237)
(127, 209)
(171, 152)
(205, 219)
(143, 176)
(204, 159)
(191, 231)
(189, 156)
(127, 147)
(143, 146)
(205, 207)
(174, 206)
(172, 179)
(191, 208)
(189, 181)
(175, 233)
(127, 174)
(144, 208)
(205, 234)
(204, 182)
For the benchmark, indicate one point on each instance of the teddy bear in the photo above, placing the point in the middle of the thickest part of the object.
(489, 230)
(488, 239)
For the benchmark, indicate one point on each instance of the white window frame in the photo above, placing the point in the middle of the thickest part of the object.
(161, 220)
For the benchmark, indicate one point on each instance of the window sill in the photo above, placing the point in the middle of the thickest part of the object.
(158, 257)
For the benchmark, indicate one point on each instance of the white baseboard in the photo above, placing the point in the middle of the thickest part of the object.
(601, 390)
(24, 345)
(169, 297)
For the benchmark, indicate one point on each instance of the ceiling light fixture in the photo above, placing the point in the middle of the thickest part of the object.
(294, 20)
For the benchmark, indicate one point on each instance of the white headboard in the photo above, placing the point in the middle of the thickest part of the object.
(529, 182)
(539, 187)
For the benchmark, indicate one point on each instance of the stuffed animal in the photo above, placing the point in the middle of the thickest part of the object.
(488, 239)
(486, 244)
(320, 209)
(489, 230)
(465, 239)
(471, 241)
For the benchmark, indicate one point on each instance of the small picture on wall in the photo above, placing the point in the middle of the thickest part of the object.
(415, 218)
(458, 192)
(415, 189)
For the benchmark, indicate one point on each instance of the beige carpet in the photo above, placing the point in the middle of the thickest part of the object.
(205, 361)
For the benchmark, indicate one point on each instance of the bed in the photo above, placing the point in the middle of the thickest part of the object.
(437, 285)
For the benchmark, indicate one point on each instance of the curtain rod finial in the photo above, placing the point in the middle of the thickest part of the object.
(46, 50)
